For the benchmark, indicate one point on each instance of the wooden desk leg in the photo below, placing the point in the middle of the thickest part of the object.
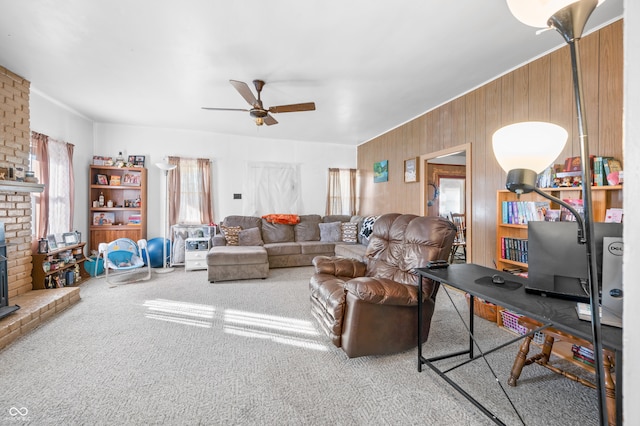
(610, 387)
(519, 362)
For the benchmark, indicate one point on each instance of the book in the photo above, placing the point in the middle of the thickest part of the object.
(552, 215)
(576, 203)
(614, 215)
(114, 180)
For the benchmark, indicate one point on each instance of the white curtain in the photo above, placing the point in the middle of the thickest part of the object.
(272, 188)
(190, 191)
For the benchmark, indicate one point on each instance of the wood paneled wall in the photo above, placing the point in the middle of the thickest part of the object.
(540, 90)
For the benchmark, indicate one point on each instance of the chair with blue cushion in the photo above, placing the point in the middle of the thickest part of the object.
(123, 258)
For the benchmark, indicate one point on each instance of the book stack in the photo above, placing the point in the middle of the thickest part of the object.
(523, 212)
(516, 249)
(582, 354)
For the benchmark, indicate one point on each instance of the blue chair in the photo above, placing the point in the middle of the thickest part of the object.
(124, 258)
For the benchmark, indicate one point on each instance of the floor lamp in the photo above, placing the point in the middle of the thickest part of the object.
(569, 18)
(165, 167)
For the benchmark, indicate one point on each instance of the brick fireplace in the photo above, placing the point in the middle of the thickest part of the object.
(36, 306)
(15, 207)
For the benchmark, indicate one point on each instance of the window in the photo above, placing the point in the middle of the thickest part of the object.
(272, 188)
(341, 192)
(452, 194)
(52, 160)
(190, 191)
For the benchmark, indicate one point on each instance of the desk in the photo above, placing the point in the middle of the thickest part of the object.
(560, 314)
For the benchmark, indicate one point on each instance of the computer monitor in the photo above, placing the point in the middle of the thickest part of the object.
(558, 264)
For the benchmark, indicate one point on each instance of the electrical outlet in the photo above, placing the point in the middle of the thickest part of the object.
(237, 196)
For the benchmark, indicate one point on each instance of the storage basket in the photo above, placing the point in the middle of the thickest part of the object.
(484, 309)
(510, 322)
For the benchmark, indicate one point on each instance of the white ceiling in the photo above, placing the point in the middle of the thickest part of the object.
(368, 65)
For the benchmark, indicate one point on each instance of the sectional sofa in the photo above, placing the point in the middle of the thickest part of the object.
(249, 246)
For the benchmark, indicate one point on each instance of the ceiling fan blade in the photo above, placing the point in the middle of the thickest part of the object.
(244, 91)
(309, 106)
(269, 120)
(225, 109)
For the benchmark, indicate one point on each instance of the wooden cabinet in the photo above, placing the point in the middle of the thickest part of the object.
(118, 204)
(602, 197)
(58, 268)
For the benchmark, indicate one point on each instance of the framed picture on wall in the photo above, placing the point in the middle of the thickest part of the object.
(381, 171)
(411, 170)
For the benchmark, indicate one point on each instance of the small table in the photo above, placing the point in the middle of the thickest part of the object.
(561, 314)
(195, 253)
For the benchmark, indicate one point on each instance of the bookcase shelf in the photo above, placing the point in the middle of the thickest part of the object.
(127, 218)
(603, 197)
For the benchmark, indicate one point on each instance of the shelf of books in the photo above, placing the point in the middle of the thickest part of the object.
(514, 213)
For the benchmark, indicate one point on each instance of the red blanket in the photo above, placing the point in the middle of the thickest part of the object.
(285, 219)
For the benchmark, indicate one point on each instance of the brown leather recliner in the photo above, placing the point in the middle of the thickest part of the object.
(371, 308)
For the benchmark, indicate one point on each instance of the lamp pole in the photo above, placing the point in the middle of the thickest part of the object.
(570, 22)
(165, 167)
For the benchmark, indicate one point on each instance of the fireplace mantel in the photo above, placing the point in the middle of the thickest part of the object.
(15, 186)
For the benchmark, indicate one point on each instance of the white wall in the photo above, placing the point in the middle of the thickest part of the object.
(59, 122)
(230, 155)
(631, 266)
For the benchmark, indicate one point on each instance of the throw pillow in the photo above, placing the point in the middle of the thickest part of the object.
(250, 237)
(231, 234)
(330, 232)
(367, 226)
(307, 229)
(349, 232)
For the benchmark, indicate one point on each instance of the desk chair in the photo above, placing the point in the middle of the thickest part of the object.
(551, 336)
(459, 248)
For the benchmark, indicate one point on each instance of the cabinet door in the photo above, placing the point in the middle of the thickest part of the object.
(107, 235)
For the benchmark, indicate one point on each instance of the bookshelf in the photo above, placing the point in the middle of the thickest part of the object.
(126, 215)
(603, 197)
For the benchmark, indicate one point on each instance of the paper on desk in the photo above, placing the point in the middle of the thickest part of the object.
(609, 318)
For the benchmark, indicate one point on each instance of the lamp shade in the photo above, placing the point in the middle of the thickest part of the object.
(166, 166)
(531, 145)
(536, 13)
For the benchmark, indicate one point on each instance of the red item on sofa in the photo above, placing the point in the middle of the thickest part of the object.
(285, 219)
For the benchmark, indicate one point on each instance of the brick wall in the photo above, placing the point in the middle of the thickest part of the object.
(15, 208)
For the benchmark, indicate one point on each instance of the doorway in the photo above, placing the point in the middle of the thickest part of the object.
(446, 186)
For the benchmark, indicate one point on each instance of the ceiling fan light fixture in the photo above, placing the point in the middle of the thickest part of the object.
(259, 121)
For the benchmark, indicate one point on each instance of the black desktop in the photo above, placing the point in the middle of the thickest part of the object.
(558, 263)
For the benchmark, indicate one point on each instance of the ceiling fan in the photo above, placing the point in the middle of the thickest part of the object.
(258, 112)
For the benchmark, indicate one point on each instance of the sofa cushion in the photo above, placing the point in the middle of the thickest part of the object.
(250, 237)
(245, 222)
(336, 218)
(308, 229)
(349, 231)
(236, 256)
(231, 234)
(281, 249)
(330, 232)
(277, 233)
(316, 247)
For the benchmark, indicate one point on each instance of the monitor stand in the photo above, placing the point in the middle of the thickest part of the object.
(568, 288)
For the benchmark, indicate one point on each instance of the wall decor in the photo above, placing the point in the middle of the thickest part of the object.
(381, 171)
(131, 179)
(70, 238)
(51, 239)
(411, 170)
(103, 218)
(102, 180)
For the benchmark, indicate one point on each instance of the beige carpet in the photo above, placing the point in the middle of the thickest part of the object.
(178, 350)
